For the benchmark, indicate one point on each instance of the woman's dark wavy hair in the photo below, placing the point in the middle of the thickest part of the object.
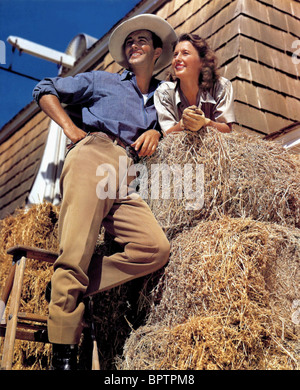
(209, 73)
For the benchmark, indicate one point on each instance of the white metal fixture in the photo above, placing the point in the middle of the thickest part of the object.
(42, 51)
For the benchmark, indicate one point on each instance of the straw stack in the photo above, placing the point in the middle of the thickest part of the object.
(244, 176)
(225, 301)
(33, 227)
(228, 298)
(230, 290)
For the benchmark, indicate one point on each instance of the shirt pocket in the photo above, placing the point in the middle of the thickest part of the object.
(110, 106)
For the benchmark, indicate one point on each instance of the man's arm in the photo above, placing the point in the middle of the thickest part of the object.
(50, 104)
(147, 143)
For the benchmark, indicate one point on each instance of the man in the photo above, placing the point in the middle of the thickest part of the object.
(119, 121)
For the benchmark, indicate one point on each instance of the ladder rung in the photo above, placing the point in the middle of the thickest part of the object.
(32, 317)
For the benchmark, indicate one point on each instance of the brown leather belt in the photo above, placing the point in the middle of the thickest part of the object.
(129, 149)
(111, 137)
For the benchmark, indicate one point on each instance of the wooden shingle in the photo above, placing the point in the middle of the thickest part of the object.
(20, 158)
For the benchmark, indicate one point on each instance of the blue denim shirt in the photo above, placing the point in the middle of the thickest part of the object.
(110, 102)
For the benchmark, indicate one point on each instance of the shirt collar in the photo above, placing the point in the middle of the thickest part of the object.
(203, 96)
(128, 75)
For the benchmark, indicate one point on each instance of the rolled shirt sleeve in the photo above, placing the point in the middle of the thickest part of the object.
(69, 90)
(223, 110)
(165, 101)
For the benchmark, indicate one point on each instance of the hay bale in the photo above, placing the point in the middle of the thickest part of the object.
(244, 176)
(37, 227)
(116, 313)
(225, 301)
(225, 297)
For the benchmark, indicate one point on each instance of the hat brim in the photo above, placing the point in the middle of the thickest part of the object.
(149, 22)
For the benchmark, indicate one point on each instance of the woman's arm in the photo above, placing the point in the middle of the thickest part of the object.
(222, 127)
(193, 119)
(176, 128)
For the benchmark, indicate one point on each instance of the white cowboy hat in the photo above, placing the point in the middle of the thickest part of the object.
(149, 22)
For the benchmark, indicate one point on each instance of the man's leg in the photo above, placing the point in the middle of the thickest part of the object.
(80, 219)
(145, 246)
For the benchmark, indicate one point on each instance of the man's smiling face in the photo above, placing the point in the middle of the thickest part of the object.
(139, 48)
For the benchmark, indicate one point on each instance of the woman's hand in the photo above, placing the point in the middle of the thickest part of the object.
(193, 119)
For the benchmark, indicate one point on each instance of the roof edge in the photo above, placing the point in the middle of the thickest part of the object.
(83, 64)
(18, 120)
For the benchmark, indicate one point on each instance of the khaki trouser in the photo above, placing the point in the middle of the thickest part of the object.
(77, 272)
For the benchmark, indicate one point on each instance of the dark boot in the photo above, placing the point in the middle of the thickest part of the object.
(64, 357)
(48, 292)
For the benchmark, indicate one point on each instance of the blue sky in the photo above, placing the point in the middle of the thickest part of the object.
(53, 24)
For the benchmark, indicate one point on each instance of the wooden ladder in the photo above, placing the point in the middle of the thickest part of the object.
(20, 325)
(27, 326)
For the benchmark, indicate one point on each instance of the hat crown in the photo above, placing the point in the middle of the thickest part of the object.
(153, 23)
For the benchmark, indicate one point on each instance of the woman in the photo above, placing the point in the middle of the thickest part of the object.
(199, 96)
